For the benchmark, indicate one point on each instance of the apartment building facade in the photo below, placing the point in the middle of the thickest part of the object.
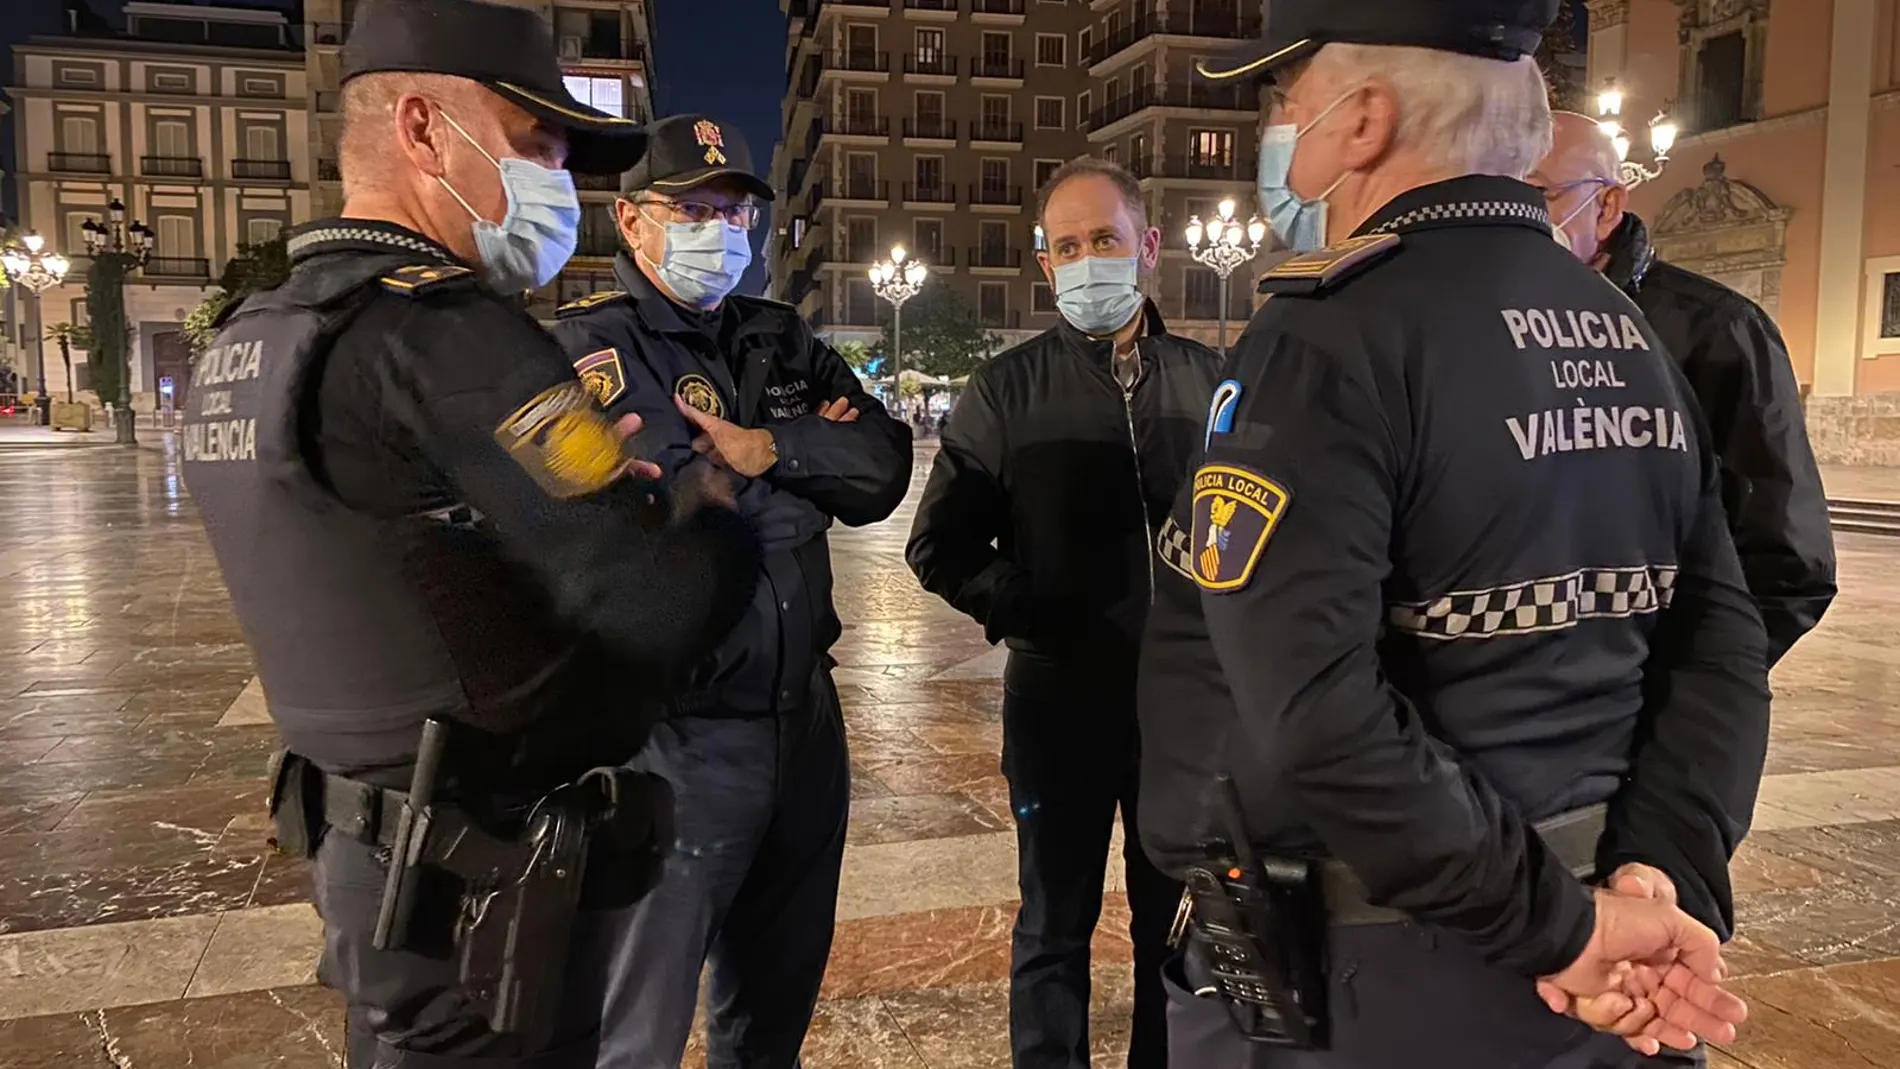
(606, 49)
(932, 123)
(195, 119)
(1783, 184)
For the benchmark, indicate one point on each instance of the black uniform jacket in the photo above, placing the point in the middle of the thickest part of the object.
(1455, 562)
(1041, 509)
(1738, 366)
(430, 523)
(755, 363)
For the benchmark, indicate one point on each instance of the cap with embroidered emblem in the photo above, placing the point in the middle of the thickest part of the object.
(1295, 29)
(687, 151)
(508, 50)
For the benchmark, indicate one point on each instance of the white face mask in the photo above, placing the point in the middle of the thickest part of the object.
(1558, 229)
(702, 262)
(540, 231)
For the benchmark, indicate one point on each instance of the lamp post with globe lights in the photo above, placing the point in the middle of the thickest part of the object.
(897, 280)
(1223, 243)
(117, 247)
(1662, 137)
(30, 265)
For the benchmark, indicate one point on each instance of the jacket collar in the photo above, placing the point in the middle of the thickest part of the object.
(1473, 200)
(1101, 351)
(325, 236)
(1631, 255)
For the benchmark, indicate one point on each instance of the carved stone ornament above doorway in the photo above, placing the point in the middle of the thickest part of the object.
(1729, 230)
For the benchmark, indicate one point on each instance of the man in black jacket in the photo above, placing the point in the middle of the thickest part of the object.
(1057, 467)
(755, 749)
(1738, 367)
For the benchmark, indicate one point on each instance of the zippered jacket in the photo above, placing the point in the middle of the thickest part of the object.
(1043, 504)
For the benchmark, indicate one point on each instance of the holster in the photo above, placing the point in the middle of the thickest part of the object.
(296, 805)
(1259, 943)
(520, 890)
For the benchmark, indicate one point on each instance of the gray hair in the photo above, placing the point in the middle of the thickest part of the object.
(1466, 114)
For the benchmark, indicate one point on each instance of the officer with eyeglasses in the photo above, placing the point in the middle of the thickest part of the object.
(755, 747)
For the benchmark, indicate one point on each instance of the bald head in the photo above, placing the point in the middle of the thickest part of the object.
(1580, 180)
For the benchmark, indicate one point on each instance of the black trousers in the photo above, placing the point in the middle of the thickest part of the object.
(408, 1010)
(1072, 758)
(1406, 997)
(748, 896)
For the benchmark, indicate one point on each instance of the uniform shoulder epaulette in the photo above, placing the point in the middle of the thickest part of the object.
(589, 302)
(1313, 272)
(417, 280)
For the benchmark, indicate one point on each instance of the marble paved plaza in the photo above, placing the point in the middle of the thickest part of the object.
(143, 924)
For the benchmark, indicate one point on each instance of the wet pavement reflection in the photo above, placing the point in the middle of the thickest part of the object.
(144, 923)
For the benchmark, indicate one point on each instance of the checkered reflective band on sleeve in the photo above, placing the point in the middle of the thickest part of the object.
(1548, 604)
(456, 515)
(1174, 548)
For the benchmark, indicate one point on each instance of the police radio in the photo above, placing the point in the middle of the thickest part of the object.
(1258, 930)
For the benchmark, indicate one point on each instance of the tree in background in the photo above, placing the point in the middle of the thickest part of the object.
(111, 339)
(858, 355)
(942, 334)
(254, 269)
(1560, 56)
(69, 337)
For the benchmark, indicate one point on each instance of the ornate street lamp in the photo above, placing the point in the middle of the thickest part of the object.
(117, 248)
(1662, 136)
(1224, 243)
(33, 267)
(897, 280)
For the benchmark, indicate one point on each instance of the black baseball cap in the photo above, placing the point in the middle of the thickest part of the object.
(685, 151)
(1295, 29)
(508, 50)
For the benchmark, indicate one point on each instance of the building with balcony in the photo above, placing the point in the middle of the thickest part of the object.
(948, 114)
(1783, 183)
(927, 124)
(606, 49)
(1190, 141)
(196, 118)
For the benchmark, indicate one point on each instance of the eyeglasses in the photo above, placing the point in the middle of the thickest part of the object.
(744, 216)
(1553, 194)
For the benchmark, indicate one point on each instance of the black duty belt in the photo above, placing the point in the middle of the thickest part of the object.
(1572, 836)
(361, 811)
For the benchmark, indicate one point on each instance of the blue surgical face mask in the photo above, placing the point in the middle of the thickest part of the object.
(1300, 224)
(537, 236)
(1098, 295)
(703, 262)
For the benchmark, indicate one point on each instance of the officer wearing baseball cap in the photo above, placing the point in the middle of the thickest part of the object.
(1452, 695)
(755, 744)
(439, 548)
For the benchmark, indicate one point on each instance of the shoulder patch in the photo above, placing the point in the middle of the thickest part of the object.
(1311, 272)
(592, 300)
(1235, 512)
(563, 441)
(603, 375)
(418, 279)
(698, 391)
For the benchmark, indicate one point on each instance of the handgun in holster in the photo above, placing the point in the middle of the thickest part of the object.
(519, 894)
(1258, 930)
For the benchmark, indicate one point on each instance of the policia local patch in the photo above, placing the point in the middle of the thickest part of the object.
(603, 375)
(565, 442)
(1235, 512)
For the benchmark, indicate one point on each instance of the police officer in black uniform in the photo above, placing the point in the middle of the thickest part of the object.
(755, 749)
(440, 560)
(1450, 616)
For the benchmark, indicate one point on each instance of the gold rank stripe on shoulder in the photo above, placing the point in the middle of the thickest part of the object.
(418, 278)
(592, 300)
(1310, 272)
